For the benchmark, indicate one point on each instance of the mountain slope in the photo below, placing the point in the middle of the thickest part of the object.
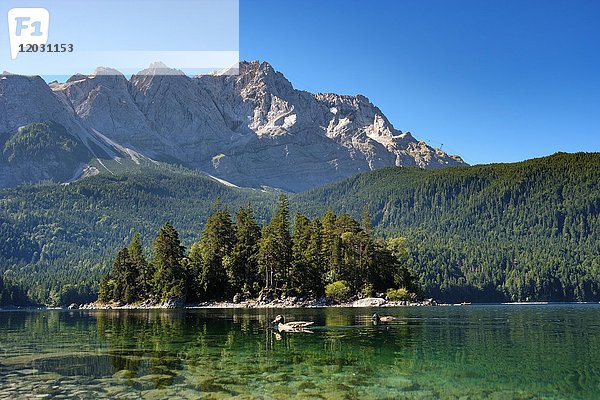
(500, 232)
(42, 151)
(43, 139)
(524, 231)
(252, 129)
(57, 238)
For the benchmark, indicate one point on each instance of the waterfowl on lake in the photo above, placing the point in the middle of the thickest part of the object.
(294, 326)
(382, 319)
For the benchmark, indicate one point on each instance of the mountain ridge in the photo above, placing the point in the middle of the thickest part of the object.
(253, 129)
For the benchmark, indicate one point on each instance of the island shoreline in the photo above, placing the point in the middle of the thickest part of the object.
(371, 302)
(230, 305)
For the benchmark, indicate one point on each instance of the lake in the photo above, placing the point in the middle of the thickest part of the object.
(456, 352)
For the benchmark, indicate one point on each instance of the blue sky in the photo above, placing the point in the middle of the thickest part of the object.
(493, 80)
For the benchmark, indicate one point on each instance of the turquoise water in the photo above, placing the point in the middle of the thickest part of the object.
(469, 352)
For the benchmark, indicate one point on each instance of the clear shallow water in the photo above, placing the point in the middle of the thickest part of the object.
(487, 352)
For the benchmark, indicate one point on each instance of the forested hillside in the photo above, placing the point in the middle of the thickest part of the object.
(58, 240)
(524, 231)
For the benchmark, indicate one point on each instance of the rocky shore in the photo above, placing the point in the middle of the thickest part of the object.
(291, 302)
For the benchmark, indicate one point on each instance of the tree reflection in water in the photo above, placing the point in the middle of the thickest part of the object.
(425, 352)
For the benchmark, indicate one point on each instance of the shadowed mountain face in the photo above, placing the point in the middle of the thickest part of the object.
(251, 129)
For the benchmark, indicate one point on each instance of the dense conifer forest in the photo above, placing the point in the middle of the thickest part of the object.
(333, 255)
(12, 294)
(505, 232)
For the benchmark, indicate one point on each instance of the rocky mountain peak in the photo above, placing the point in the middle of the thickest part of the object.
(105, 71)
(261, 76)
(160, 68)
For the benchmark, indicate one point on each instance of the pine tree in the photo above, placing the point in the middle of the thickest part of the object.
(307, 263)
(367, 250)
(267, 257)
(129, 280)
(345, 223)
(122, 275)
(243, 268)
(105, 290)
(116, 285)
(169, 278)
(215, 249)
(350, 271)
(314, 254)
(331, 249)
(139, 263)
(301, 258)
(192, 264)
(354, 255)
(275, 254)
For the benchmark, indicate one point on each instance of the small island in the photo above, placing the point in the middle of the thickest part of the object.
(324, 261)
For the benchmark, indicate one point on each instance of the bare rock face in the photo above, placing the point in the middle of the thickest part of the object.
(297, 140)
(103, 102)
(182, 114)
(251, 129)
